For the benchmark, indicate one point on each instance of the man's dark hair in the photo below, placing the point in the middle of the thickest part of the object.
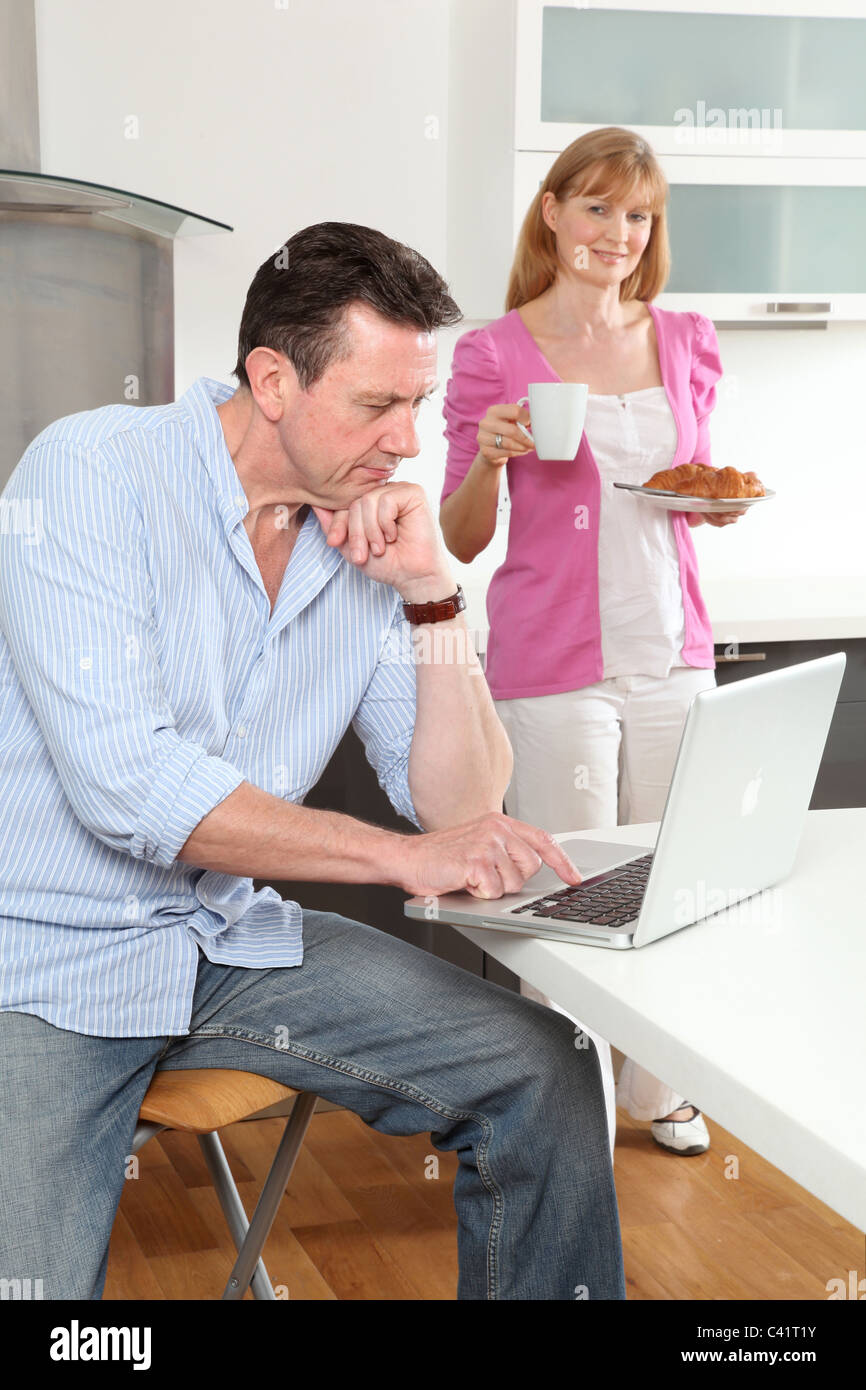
(297, 301)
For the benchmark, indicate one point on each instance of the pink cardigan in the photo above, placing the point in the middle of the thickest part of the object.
(542, 602)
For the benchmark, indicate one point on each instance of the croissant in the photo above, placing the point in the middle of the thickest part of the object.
(700, 480)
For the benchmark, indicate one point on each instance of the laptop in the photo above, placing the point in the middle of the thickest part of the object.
(735, 810)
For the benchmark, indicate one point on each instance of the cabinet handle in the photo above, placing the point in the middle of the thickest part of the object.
(783, 308)
(744, 656)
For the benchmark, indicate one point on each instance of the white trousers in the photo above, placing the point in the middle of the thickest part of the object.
(591, 759)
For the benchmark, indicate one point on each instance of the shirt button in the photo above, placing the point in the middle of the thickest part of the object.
(241, 731)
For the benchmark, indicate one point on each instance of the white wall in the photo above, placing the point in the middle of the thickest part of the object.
(791, 408)
(271, 118)
(265, 117)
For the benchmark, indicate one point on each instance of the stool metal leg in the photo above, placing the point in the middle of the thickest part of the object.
(144, 1130)
(233, 1207)
(250, 1238)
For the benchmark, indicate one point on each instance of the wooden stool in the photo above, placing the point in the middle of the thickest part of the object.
(202, 1101)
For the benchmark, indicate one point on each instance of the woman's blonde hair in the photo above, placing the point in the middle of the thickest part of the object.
(613, 163)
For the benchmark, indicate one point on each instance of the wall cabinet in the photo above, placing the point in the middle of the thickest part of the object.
(785, 249)
(759, 122)
(717, 77)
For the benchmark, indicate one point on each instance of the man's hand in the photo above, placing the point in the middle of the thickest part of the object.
(487, 857)
(390, 534)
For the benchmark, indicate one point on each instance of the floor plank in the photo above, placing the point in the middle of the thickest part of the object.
(370, 1216)
(353, 1263)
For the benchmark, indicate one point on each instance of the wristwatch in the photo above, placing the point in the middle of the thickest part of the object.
(435, 612)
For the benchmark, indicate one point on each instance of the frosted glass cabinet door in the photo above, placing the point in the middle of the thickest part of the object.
(767, 240)
(715, 83)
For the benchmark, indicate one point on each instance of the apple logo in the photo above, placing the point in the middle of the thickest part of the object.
(750, 795)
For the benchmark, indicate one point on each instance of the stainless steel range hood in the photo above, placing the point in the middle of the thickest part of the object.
(86, 272)
(23, 190)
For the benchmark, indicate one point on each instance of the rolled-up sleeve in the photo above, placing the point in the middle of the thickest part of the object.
(75, 611)
(385, 718)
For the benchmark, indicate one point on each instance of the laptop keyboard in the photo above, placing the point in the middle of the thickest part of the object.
(610, 899)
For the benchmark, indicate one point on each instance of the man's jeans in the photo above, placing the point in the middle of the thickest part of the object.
(409, 1042)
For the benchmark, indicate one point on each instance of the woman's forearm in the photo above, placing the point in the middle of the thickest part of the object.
(468, 516)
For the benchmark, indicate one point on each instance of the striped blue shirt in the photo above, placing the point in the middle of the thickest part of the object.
(142, 679)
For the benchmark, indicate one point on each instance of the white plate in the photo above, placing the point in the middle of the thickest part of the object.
(680, 502)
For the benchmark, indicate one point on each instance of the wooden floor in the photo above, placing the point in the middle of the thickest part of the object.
(362, 1220)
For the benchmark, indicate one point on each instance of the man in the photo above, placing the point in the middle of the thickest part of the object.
(217, 594)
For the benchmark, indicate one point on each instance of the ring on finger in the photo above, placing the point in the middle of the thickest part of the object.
(497, 440)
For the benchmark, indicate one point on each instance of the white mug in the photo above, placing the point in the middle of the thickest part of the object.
(557, 411)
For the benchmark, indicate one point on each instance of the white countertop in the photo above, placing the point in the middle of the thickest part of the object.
(777, 609)
(763, 1027)
(786, 609)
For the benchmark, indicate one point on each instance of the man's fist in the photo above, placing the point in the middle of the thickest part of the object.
(390, 534)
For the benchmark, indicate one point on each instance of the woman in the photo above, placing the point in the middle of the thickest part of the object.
(599, 638)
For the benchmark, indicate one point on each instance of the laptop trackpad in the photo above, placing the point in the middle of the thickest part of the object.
(588, 856)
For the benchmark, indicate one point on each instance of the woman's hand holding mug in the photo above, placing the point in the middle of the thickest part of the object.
(500, 436)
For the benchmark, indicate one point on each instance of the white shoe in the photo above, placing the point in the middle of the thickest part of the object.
(682, 1136)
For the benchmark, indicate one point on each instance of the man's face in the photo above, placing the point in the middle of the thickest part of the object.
(350, 430)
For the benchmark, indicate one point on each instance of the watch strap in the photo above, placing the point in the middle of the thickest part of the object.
(436, 611)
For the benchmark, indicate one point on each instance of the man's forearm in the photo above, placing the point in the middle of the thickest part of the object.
(460, 762)
(256, 835)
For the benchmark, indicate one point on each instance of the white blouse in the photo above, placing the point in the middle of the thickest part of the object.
(640, 598)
